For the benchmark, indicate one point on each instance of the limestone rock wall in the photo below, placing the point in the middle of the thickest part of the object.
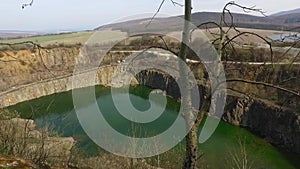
(280, 126)
(22, 82)
(60, 84)
(25, 66)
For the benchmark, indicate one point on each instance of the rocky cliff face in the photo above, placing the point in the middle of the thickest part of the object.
(25, 66)
(280, 126)
(159, 80)
(102, 76)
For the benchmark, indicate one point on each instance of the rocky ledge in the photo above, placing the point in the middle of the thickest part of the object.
(280, 126)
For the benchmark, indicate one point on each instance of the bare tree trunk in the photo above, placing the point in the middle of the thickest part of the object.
(191, 149)
(192, 137)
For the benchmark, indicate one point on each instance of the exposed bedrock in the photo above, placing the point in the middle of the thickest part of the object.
(279, 126)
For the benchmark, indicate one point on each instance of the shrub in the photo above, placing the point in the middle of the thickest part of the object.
(7, 115)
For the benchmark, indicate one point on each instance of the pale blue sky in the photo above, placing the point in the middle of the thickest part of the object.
(47, 15)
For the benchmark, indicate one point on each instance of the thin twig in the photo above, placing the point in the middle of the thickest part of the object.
(176, 3)
(245, 9)
(159, 8)
(296, 93)
(254, 34)
(27, 4)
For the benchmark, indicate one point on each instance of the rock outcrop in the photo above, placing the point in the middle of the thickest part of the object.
(280, 126)
(31, 80)
(26, 66)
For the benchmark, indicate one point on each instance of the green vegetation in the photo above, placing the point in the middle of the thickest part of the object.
(66, 38)
(286, 44)
(7, 114)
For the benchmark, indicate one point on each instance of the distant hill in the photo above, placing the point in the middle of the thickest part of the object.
(16, 34)
(8, 34)
(287, 12)
(289, 21)
(273, 22)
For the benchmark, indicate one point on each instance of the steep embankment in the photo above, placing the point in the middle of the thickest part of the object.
(21, 67)
(59, 84)
(279, 126)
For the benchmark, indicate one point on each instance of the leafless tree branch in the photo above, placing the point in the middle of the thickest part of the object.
(159, 8)
(206, 26)
(176, 3)
(296, 93)
(250, 33)
(245, 9)
(27, 4)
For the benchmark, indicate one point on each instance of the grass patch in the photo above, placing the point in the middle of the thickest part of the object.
(68, 38)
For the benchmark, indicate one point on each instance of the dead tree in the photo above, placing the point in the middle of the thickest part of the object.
(225, 46)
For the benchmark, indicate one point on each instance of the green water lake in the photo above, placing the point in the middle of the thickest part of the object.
(57, 112)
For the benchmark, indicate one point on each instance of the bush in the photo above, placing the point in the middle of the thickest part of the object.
(7, 115)
(20, 138)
